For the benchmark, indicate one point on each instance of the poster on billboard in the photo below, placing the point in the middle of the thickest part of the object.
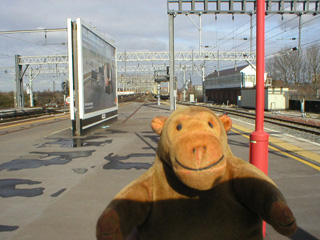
(96, 73)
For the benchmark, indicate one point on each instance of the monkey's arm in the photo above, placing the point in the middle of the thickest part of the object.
(259, 193)
(126, 211)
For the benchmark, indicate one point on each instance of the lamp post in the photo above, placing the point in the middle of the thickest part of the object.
(259, 138)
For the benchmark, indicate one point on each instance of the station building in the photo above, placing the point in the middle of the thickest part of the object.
(237, 86)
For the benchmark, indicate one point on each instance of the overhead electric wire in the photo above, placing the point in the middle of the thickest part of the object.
(5, 55)
(33, 43)
(318, 40)
(35, 30)
(292, 28)
(218, 40)
(278, 27)
(304, 31)
(270, 16)
(270, 30)
(265, 33)
(267, 39)
(215, 44)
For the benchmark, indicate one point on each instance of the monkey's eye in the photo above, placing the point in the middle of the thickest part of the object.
(210, 124)
(179, 126)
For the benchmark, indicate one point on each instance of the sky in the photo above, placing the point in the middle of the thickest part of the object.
(135, 26)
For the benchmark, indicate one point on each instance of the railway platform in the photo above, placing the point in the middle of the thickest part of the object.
(72, 180)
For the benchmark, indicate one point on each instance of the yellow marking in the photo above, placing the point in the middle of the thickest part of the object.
(296, 158)
(239, 132)
(290, 147)
(35, 121)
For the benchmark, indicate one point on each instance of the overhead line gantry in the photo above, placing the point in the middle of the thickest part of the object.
(298, 7)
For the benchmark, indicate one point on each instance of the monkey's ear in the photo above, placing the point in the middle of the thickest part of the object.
(226, 121)
(158, 123)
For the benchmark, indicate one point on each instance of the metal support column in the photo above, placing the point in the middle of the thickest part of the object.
(171, 57)
(299, 41)
(19, 98)
(203, 84)
(31, 88)
(158, 94)
(251, 35)
(184, 84)
(200, 33)
(259, 138)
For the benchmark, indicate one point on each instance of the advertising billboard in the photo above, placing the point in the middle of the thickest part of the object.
(96, 73)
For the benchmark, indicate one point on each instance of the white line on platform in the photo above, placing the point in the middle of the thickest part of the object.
(58, 131)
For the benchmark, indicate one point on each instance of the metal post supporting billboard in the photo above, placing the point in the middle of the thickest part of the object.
(77, 128)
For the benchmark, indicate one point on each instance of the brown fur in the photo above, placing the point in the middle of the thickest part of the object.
(196, 189)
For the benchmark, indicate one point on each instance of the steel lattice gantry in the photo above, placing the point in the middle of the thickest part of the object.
(298, 7)
(192, 57)
(152, 68)
(147, 57)
(34, 64)
(186, 56)
(41, 60)
(59, 70)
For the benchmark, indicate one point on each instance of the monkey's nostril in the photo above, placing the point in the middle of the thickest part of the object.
(199, 149)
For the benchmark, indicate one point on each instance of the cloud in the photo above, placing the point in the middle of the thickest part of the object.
(121, 19)
(143, 45)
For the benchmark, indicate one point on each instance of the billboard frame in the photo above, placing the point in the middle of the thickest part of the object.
(108, 112)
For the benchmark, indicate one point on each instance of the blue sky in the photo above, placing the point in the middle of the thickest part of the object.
(139, 25)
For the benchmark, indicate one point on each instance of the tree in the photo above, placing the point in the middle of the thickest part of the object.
(6, 100)
(278, 67)
(313, 60)
(288, 66)
(298, 70)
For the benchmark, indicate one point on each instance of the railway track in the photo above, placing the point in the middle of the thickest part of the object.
(304, 125)
(27, 113)
(128, 98)
(7, 116)
(136, 98)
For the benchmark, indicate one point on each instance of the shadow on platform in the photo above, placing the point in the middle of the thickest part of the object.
(301, 234)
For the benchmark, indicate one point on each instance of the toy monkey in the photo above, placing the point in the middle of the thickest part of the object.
(196, 188)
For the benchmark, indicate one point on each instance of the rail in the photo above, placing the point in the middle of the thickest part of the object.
(304, 126)
(23, 113)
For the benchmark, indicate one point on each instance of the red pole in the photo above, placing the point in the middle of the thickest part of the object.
(259, 138)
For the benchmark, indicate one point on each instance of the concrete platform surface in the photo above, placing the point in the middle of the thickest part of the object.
(53, 187)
